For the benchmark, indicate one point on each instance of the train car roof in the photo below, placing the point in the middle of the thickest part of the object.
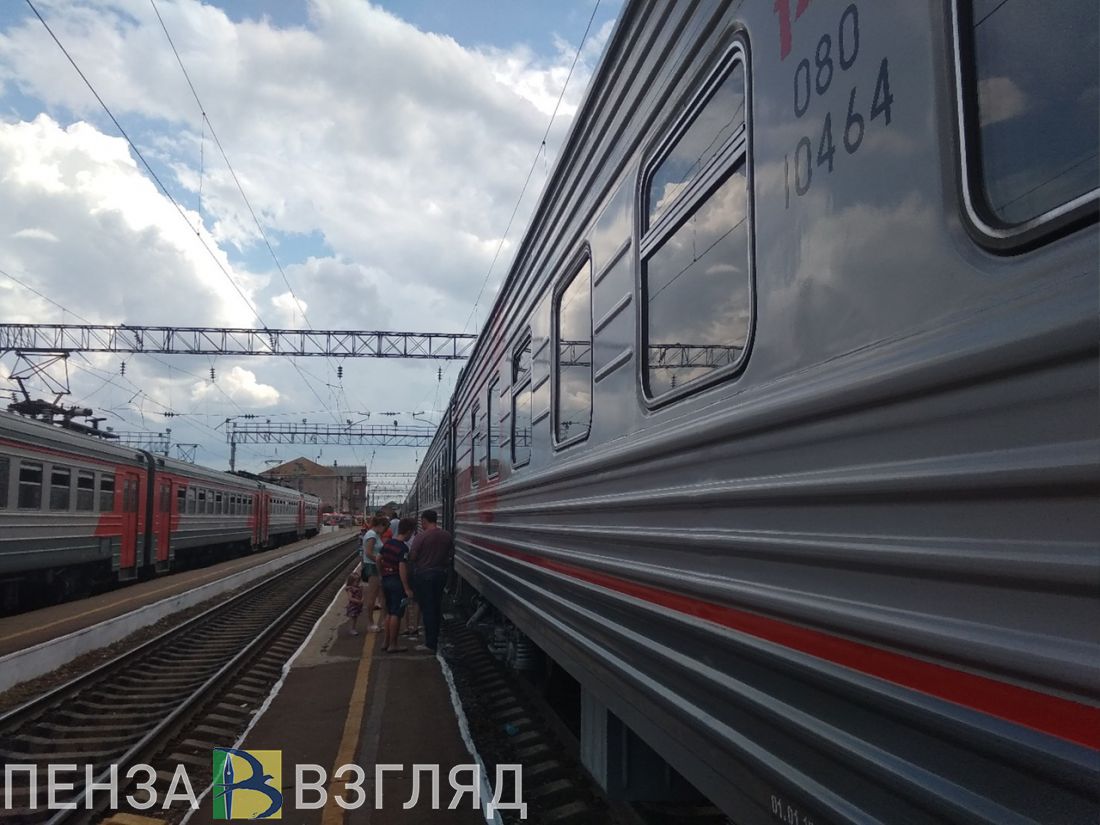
(104, 449)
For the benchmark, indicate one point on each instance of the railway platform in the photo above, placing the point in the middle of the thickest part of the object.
(345, 701)
(36, 642)
(24, 630)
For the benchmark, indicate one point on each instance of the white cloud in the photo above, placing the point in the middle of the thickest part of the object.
(288, 312)
(999, 98)
(34, 233)
(382, 161)
(125, 247)
(240, 385)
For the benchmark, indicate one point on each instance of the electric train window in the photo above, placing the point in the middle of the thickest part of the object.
(85, 490)
(475, 447)
(106, 493)
(573, 366)
(181, 500)
(521, 403)
(701, 140)
(201, 505)
(219, 507)
(696, 277)
(130, 496)
(61, 481)
(1034, 103)
(30, 486)
(191, 496)
(492, 432)
(5, 468)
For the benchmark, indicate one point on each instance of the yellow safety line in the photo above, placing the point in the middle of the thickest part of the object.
(333, 813)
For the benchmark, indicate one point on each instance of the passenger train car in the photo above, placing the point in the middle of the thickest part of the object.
(782, 435)
(77, 510)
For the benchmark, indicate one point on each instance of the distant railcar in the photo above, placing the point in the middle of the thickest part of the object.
(77, 511)
(782, 436)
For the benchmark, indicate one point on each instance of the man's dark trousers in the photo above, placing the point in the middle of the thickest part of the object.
(429, 591)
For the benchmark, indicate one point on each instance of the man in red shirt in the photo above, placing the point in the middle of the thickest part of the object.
(431, 557)
(392, 564)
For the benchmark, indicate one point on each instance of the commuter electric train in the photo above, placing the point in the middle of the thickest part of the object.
(782, 437)
(78, 511)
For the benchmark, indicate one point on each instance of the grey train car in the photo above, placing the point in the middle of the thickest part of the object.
(782, 434)
(78, 512)
(433, 488)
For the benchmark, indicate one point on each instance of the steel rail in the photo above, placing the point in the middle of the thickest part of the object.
(144, 748)
(51, 699)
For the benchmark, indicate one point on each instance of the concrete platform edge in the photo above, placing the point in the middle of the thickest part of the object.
(23, 665)
(276, 689)
(468, 741)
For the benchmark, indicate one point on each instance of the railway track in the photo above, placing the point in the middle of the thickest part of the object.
(170, 699)
(511, 723)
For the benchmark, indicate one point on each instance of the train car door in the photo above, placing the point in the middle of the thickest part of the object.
(128, 545)
(163, 525)
(263, 518)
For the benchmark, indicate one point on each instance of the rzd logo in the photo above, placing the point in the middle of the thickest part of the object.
(248, 784)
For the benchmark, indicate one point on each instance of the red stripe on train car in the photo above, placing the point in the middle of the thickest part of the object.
(1063, 718)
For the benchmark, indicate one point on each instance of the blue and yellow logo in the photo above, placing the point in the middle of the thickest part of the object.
(248, 784)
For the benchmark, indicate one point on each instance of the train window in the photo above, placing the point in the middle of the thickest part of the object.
(696, 277)
(181, 500)
(106, 493)
(573, 366)
(476, 454)
(200, 506)
(492, 433)
(129, 495)
(191, 497)
(218, 504)
(85, 490)
(5, 469)
(701, 139)
(521, 402)
(61, 482)
(30, 486)
(1031, 110)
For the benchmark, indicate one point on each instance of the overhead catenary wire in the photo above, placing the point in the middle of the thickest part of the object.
(63, 308)
(207, 123)
(229, 166)
(165, 191)
(515, 210)
(107, 379)
(145, 163)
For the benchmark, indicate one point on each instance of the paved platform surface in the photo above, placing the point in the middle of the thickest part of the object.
(346, 701)
(48, 623)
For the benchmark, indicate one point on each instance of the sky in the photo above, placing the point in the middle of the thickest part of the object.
(382, 148)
